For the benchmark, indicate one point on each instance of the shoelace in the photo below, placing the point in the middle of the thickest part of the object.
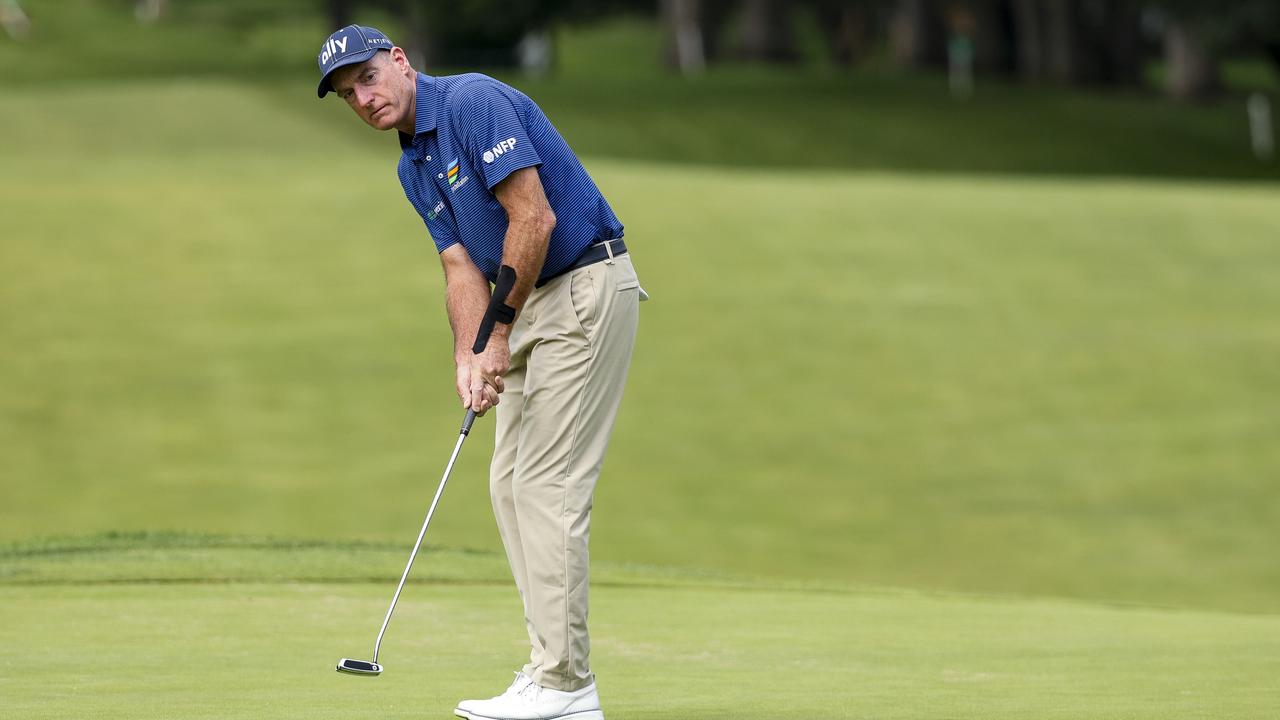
(521, 682)
(530, 691)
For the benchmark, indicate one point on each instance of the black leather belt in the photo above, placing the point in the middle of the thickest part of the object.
(592, 255)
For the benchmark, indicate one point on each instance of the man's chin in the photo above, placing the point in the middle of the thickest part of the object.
(383, 121)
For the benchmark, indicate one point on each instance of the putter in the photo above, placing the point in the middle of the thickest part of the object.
(373, 669)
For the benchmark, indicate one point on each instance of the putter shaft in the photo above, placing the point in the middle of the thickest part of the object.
(462, 436)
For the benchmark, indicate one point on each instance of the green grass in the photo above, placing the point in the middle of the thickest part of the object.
(895, 445)
(988, 384)
(258, 640)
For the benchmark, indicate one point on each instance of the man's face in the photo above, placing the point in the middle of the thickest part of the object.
(379, 89)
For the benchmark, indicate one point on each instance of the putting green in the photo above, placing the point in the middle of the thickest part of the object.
(219, 628)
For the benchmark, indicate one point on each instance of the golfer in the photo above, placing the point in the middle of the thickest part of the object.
(508, 203)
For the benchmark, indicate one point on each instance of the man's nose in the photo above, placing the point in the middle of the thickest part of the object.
(363, 97)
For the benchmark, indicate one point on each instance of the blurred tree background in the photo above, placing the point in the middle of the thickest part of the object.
(1159, 87)
(1074, 42)
(1179, 46)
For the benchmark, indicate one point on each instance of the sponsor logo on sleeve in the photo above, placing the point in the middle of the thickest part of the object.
(497, 150)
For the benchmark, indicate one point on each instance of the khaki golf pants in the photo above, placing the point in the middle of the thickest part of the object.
(570, 350)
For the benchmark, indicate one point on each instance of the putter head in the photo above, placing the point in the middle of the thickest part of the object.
(359, 667)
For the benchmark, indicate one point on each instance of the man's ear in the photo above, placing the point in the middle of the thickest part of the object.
(401, 60)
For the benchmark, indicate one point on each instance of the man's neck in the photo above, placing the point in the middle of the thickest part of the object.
(408, 124)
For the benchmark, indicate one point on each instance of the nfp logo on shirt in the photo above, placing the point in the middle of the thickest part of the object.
(505, 145)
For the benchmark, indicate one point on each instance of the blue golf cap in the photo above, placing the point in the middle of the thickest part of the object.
(348, 46)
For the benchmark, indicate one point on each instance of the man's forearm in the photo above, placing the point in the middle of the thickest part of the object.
(529, 225)
(525, 250)
(479, 377)
(466, 297)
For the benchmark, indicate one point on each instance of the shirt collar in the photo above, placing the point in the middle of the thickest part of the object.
(426, 104)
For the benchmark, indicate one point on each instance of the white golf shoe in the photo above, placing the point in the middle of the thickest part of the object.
(527, 700)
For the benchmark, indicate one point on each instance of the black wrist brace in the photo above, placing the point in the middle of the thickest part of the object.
(498, 311)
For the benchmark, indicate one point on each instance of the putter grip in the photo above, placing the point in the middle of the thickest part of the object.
(497, 312)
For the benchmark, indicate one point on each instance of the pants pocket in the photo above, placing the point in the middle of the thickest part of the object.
(583, 299)
(624, 273)
(627, 278)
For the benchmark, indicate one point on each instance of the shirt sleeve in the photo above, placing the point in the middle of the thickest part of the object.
(441, 235)
(429, 208)
(492, 131)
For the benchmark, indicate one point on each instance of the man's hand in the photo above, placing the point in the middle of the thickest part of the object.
(479, 377)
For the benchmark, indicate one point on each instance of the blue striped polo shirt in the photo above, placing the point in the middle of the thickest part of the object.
(472, 131)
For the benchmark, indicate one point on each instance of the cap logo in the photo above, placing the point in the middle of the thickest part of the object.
(338, 50)
(332, 48)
